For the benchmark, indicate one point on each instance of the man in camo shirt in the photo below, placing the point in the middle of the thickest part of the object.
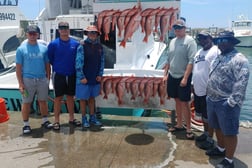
(226, 89)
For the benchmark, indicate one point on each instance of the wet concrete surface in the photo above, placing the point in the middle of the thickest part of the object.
(123, 142)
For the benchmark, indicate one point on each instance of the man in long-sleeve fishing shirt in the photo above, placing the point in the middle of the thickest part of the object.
(226, 89)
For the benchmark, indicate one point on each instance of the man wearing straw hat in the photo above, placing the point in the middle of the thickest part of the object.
(89, 70)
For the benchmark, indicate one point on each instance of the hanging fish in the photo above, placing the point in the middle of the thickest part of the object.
(131, 28)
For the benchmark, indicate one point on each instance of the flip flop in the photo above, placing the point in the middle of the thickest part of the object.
(75, 122)
(176, 129)
(56, 126)
(189, 135)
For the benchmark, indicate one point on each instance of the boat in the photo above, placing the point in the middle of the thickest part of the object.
(10, 17)
(130, 60)
(242, 28)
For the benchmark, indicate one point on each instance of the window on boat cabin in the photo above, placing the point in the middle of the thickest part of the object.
(242, 24)
(11, 44)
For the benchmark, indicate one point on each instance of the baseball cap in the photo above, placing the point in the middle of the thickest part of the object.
(179, 23)
(32, 29)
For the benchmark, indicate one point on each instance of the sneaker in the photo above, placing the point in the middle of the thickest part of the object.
(215, 152)
(225, 164)
(47, 125)
(93, 120)
(198, 117)
(202, 137)
(26, 130)
(206, 145)
(85, 122)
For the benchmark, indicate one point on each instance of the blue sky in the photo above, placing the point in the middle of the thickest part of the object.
(199, 13)
(218, 13)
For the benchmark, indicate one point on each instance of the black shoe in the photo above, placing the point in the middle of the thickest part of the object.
(225, 164)
(215, 152)
(202, 137)
(27, 130)
(206, 145)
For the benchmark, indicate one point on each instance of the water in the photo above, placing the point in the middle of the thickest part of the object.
(246, 111)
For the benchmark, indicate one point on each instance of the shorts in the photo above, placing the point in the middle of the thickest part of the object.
(200, 106)
(34, 86)
(85, 91)
(222, 116)
(64, 85)
(174, 90)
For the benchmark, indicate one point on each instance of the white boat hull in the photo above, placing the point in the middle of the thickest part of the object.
(242, 29)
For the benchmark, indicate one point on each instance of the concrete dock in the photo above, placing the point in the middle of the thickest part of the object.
(123, 142)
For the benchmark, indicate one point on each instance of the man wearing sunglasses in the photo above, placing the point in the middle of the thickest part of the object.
(61, 53)
(202, 62)
(89, 71)
(33, 74)
(178, 74)
(226, 89)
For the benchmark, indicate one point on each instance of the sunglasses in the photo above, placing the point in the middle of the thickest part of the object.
(63, 27)
(92, 32)
(178, 27)
(222, 40)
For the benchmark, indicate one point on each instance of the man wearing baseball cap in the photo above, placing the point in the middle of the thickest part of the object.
(61, 53)
(202, 62)
(178, 74)
(33, 74)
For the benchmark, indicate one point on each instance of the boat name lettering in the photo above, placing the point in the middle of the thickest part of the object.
(7, 16)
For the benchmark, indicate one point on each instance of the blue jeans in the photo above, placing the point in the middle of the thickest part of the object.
(222, 116)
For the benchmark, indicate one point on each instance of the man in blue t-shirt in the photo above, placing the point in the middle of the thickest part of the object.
(61, 53)
(33, 74)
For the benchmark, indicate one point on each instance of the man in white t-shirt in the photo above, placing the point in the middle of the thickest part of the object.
(202, 61)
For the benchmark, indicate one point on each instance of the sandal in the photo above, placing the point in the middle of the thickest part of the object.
(189, 136)
(47, 125)
(56, 126)
(75, 122)
(176, 129)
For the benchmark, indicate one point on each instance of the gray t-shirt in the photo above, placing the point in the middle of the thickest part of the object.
(181, 53)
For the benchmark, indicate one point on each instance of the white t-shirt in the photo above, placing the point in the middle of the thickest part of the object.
(202, 61)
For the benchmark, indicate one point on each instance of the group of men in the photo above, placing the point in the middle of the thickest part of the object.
(76, 68)
(219, 75)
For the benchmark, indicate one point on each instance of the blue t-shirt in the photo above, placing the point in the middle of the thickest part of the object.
(62, 56)
(33, 59)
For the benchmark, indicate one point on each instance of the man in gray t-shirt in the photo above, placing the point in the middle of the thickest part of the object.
(178, 74)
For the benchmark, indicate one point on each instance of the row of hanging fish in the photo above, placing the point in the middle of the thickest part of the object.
(129, 20)
(143, 87)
